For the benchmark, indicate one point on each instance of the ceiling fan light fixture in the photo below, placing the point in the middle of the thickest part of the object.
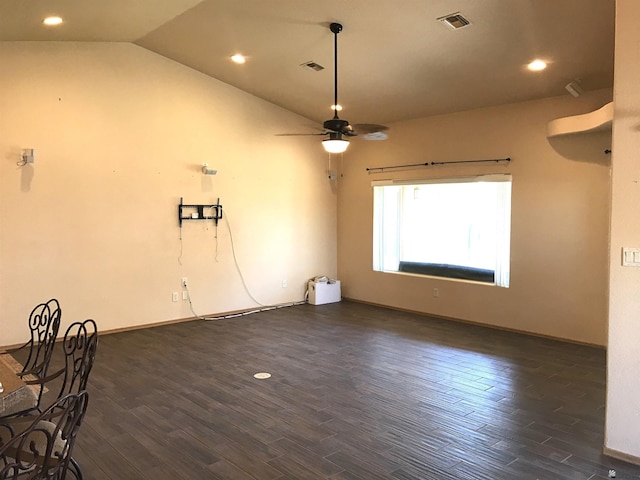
(335, 143)
(335, 146)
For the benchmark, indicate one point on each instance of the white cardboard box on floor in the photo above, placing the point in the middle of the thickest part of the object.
(321, 293)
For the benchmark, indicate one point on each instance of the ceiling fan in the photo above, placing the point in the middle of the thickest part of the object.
(336, 128)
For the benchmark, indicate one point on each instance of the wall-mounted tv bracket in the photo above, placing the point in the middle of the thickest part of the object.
(197, 212)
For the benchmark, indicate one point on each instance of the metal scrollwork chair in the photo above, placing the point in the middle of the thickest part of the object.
(39, 447)
(79, 346)
(44, 323)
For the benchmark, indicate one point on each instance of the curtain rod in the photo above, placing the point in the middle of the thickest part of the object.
(426, 164)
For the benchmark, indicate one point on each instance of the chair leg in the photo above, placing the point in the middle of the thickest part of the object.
(75, 468)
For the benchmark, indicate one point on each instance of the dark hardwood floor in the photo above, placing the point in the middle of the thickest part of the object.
(356, 393)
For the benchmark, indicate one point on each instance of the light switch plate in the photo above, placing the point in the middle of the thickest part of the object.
(630, 257)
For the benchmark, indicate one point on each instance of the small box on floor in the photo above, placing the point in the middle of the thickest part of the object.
(324, 292)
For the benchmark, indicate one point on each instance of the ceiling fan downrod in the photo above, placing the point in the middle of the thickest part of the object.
(336, 124)
(336, 28)
(337, 127)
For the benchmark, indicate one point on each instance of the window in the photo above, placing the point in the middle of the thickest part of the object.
(456, 228)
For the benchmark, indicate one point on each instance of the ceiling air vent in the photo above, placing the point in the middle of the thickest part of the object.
(454, 21)
(313, 66)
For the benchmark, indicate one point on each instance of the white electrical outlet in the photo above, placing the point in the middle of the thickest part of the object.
(284, 284)
(185, 295)
(175, 296)
(436, 292)
(184, 282)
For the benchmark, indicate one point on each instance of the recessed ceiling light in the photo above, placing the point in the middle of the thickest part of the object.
(337, 108)
(537, 65)
(52, 21)
(238, 58)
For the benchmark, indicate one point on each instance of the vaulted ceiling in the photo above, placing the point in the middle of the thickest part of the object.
(396, 59)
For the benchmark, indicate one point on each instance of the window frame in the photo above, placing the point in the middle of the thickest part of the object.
(499, 276)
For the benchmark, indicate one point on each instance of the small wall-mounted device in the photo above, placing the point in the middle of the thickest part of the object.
(28, 155)
(208, 171)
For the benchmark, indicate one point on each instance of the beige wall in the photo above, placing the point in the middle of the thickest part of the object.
(623, 387)
(560, 211)
(120, 135)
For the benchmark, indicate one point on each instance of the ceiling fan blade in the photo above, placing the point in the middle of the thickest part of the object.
(365, 128)
(375, 136)
(300, 134)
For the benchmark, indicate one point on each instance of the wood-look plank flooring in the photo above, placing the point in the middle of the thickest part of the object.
(357, 393)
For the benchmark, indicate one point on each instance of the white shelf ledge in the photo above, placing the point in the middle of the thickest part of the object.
(598, 120)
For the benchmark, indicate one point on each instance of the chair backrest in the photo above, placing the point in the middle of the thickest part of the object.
(79, 347)
(44, 322)
(42, 450)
